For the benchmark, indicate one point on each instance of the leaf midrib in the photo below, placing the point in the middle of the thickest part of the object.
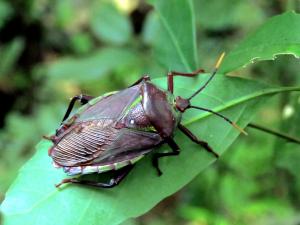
(243, 99)
(175, 42)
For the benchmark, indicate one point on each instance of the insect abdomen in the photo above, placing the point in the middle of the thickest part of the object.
(81, 170)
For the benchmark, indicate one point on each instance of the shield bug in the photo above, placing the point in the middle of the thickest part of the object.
(115, 130)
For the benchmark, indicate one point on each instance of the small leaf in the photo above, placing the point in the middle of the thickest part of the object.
(215, 14)
(64, 12)
(33, 197)
(173, 38)
(279, 35)
(92, 67)
(81, 43)
(6, 11)
(110, 25)
(9, 55)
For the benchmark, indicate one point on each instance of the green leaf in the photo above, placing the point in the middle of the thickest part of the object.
(93, 66)
(9, 55)
(279, 35)
(215, 14)
(81, 43)
(110, 25)
(173, 38)
(289, 159)
(64, 12)
(6, 10)
(33, 199)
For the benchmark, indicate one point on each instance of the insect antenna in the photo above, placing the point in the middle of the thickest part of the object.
(183, 104)
(220, 115)
(211, 76)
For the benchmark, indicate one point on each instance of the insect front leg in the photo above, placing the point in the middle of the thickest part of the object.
(193, 138)
(145, 77)
(174, 73)
(114, 181)
(157, 156)
(83, 100)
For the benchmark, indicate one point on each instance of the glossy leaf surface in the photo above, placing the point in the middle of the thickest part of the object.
(279, 35)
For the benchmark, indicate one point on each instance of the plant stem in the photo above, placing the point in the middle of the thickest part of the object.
(276, 133)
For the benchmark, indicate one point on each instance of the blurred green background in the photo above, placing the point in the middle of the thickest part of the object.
(51, 50)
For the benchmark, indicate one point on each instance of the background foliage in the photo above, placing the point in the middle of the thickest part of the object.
(52, 50)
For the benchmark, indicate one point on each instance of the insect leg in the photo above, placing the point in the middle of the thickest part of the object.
(204, 144)
(157, 156)
(145, 77)
(114, 181)
(83, 100)
(174, 73)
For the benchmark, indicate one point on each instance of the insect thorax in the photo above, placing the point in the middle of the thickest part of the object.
(160, 108)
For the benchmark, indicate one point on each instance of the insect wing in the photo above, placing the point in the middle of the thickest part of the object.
(94, 138)
(129, 144)
(110, 107)
(96, 144)
(83, 143)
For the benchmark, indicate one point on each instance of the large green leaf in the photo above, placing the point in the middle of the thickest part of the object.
(172, 37)
(33, 199)
(279, 35)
